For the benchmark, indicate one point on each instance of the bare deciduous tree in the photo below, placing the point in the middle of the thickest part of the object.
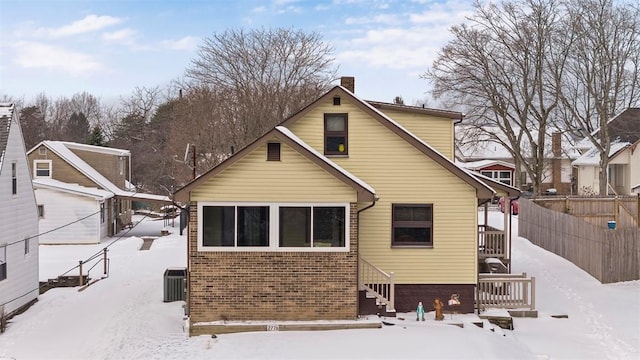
(501, 68)
(265, 75)
(603, 72)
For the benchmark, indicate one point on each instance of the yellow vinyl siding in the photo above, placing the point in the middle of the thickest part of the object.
(435, 131)
(294, 178)
(401, 174)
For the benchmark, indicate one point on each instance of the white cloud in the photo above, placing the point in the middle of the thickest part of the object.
(38, 55)
(387, 19)
(259, 9)
(124, 35)
(185, 43)
(89, 23)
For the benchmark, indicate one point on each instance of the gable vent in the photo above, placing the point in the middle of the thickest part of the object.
(273, 151)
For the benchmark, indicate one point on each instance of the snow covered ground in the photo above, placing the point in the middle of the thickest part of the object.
(124, 316)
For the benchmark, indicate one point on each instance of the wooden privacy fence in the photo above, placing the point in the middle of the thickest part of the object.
(597, 211)
(509, 291)
(608, 255)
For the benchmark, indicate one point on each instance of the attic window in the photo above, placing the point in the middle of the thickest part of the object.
(273, 151)
(336, 100)
(42, 150)
(42, 168)
(335, 134)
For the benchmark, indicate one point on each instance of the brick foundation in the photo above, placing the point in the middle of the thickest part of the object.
(408, 296)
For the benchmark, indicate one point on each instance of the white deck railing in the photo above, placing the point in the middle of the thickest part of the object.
(377, 283)
(491, 243)
(510, 291)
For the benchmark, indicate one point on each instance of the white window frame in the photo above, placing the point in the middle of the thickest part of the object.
(35, 169)
(274, 231)
(496, 175)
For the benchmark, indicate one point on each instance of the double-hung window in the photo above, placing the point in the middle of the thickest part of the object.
(335, 134)
(42, 168)
(273, 227)
(412, 225)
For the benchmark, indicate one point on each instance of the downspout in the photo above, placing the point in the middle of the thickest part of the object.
(375, 199)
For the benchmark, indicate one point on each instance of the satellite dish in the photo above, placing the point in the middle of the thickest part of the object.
(186, 153)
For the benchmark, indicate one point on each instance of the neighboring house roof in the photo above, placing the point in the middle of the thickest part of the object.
(592, 156)
(62, 149)
(623, 128)
(498, 185)
(364, 190)
(483, 190)
(6, 114)
(97, 149)
(76, 189)
(481, 164)
(482, 145)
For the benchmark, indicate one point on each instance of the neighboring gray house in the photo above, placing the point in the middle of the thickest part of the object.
(18, 218)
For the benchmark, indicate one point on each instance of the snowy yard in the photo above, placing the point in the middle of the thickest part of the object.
(124, 317)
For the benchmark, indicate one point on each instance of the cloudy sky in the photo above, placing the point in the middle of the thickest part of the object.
(109, 47)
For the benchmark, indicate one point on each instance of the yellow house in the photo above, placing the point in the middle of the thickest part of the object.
(346, 198)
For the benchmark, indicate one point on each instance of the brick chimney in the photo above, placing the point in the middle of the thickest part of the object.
(556, 144)
(348, 82)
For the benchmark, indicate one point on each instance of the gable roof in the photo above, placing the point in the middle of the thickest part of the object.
(482, 189)
(498, 185)
(365, 191)
(63, 150)
(592, 156)
(6, 115)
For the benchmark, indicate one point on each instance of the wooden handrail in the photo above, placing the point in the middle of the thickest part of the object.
(378, 283)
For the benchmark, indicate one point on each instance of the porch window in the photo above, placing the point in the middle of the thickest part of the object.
(235, 226)
(312, 226)
(412, 225)
(273, 227)
(335, 134)
(41, 211)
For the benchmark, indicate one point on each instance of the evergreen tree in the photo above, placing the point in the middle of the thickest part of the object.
(97, 137)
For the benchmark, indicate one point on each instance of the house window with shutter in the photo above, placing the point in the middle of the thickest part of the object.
(273, 151)
(335, 134)
(412, 225)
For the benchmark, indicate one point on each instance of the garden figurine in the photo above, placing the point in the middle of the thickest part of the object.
(420, 311)
(437, 305)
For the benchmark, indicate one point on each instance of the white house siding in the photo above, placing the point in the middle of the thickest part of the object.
(18, 221)
(62, 208)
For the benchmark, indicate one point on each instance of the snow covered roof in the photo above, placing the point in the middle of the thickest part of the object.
(97, 149)
(592, 156)
(62, 149)
(95, 193)
(299, 141)
(481, 164)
